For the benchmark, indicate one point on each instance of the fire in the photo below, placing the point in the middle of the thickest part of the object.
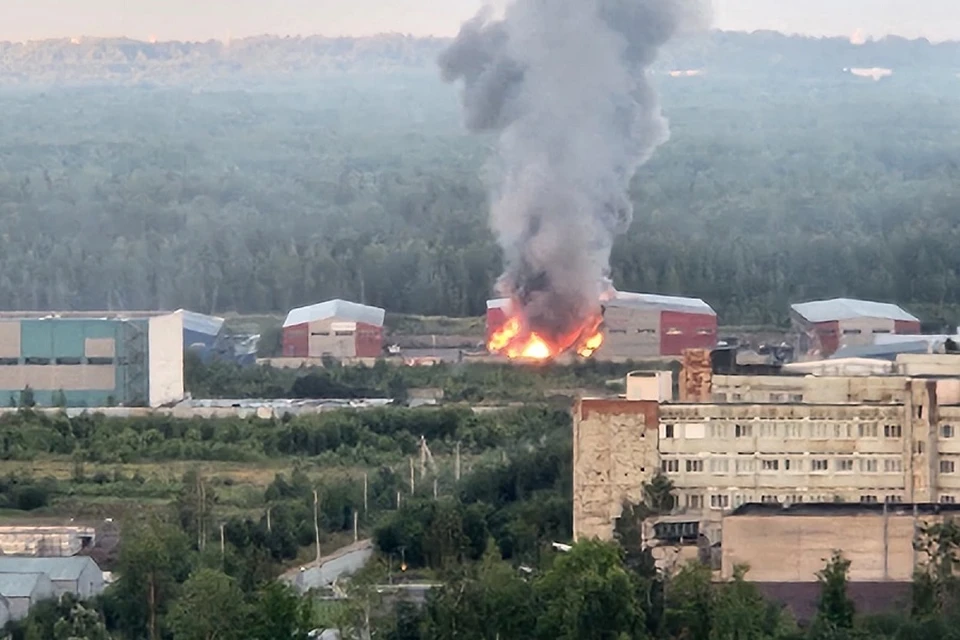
(516, 341)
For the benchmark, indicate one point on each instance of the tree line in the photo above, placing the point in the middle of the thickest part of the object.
(774, 188)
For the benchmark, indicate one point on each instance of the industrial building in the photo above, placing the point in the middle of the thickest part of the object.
(92, 359)
(823, 327)
(336, 329)
(640, 325)
(729, 440)
(26, 581)
(201, 332)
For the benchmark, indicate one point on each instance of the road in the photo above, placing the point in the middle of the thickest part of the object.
(340, 564)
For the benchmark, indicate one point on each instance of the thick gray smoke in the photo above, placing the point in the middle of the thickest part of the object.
(564, 84)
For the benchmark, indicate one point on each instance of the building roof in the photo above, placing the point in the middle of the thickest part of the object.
(881, 351)
(201, 323)
(639, 300)
(340, 309)
(664, 303)
(849, 309)
(54, 568)
(19, 585)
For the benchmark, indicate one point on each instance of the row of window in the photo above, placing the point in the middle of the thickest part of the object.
(743, 464)
(792, 430)
(15, 362)
(669, 332)
(851, 332)
(725, 500)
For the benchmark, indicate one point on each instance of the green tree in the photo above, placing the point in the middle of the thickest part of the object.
(588, 594)
(155, 558)
(835, 610)
(279, 613)
(209, 607)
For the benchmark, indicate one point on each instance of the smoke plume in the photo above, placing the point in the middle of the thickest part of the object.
(563, 83)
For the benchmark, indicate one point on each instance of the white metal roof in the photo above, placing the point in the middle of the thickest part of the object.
(849, 309)
(340, 309)
(68, 568)
(639, 300)
(664, 303)
(201, 323)
(19, 585)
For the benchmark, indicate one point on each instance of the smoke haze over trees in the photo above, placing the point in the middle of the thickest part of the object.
(279, 172)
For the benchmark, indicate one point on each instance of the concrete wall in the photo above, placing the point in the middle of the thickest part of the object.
(880, 547)
(630, 333)
(165, 368)
(332, 337)
(809, 389)
(614, 453)
(656, 386)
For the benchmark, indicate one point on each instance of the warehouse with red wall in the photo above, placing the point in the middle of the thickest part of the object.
(823, 327)
(640, 325)
(336, 329)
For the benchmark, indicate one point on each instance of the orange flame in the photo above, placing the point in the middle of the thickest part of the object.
(517, 342)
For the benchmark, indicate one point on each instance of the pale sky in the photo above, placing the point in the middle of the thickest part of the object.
(219, 19)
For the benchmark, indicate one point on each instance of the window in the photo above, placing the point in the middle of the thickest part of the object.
(668, 431)
(868, 498)
(768, 430)
(671, 466)
(320, 333)
(719, 465)
(881, 330)
(718, 430)
(892, 465)
(867, 430)
(342, 334)
(918, 447)
(777, 397)
(36, 361)
(9, 362)
(845, 464)
(851, 332)
(69, 361)
(794, 430)
(818, 465)
(695, 501)
(892, 431)
(796, 397)
(100, 361)
(769, 499)
(646, 330)
(673, 331)
(719, 501)
(868, 465)
(947, 466)
(948, 499)
(794, 499)
(746, 465)
(770, 465)
(719, 397)
(617, 330)
(892, 499)
(793, 464)
(737, 397)
(704, 332)
(946, 431)
(694, 466)
(743, 430)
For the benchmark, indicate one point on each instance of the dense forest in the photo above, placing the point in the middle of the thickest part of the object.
(275, 172)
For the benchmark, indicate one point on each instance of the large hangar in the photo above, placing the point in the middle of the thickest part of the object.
(641, 325)
(336, 329)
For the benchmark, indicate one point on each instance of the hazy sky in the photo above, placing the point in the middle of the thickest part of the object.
(205, 19)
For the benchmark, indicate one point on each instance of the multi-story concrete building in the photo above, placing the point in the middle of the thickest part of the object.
(733, 440)
(824, 326)
(92, 359)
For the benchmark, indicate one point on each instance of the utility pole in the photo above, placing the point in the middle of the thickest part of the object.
(456, 467)
(364, 494)
(316, 521)
(411, 477)
(356, 531)
(423, 457)
(269, 528)
(398, 499)
(434, 488)
(223, 547)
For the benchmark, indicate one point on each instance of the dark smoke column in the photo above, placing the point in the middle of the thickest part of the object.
(564, 84)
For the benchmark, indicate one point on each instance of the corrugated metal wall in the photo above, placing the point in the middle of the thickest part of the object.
(680, 331)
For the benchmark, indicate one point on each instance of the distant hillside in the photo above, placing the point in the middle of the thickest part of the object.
(97, 61)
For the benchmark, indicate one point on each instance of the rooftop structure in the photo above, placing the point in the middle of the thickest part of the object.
(850, 309)
(335, 309)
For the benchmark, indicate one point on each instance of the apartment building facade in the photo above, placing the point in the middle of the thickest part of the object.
(785, 439)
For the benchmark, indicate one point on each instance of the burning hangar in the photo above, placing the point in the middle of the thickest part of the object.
(639, 325)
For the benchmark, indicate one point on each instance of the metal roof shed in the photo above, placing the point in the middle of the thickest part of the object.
(849, 309)
(23, 590)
